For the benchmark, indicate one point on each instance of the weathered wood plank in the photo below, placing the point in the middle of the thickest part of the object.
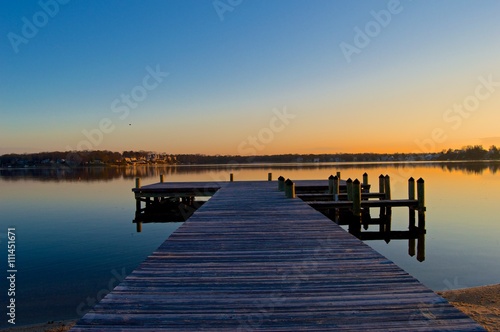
(250, 259)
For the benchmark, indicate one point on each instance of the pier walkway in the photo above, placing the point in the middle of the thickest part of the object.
(251, 260)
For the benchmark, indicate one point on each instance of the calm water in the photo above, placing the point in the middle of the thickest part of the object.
(76, 240)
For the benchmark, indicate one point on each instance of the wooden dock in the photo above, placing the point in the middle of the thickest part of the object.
(252, 260)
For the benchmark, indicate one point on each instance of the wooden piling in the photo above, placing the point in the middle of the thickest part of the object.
(161, 178)
(381, 184)
(411, 188)
(137, 200)
(289, 189)
(338, 175)
(356, 198)
(411, 223)
(336, 188)
(348, 184)
(269, 176)
(387, 187)
(365, 179)
(281, 183)
(330, 184)
(421, 194)
(231, 177)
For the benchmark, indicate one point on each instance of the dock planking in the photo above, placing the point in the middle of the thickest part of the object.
(250, 259)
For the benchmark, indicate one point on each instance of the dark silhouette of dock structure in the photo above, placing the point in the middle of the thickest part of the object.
(251, 259)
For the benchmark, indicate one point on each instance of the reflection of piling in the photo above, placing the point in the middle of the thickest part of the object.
(138, 226)
(338, 175)
(289, 189)
(421, 247)
(269, 176)
(281, 183)
(162, 178)
(231, 177)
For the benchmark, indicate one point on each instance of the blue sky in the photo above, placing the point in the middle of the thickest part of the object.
(227, 78)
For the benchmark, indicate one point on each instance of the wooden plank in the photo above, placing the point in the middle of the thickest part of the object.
(250, 259)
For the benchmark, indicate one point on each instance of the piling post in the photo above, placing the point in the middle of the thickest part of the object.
(269, 176)
(289, 189)
(356, 198)
(411, 246)
(161, 178)
(381, 184)
(421, 194)
(338, 176)
(281, 183)
(349, 189)
(336, 188)
(231, 177)
(330, 184)
(387, 187)
(137, 199)
(365, 179)
(411, 196)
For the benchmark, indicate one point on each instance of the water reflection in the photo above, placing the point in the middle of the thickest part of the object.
(90, 174)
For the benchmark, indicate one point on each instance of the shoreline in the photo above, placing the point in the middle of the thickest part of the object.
(481, 303)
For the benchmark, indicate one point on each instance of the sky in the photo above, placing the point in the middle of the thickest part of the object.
(249, 76)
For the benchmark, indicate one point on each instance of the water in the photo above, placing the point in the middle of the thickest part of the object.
(75, 239)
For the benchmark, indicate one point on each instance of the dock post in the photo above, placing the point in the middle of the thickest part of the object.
(137, 199)
(381, 184)
(281, 183)
(161, 178)
(336, 188)
(411, 196)
(356, 198)
(330, 184)
(231, 177)
(348, 184)
(421, 206)
(269, 176)
(289, 189)
(387, 187)
(421, 194)
(365, 182)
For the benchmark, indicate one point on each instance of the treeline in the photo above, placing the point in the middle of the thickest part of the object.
(104, 157)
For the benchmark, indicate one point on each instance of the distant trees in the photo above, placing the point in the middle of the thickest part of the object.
(104, 157)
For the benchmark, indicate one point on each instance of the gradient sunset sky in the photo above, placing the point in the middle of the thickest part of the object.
(249, 76)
